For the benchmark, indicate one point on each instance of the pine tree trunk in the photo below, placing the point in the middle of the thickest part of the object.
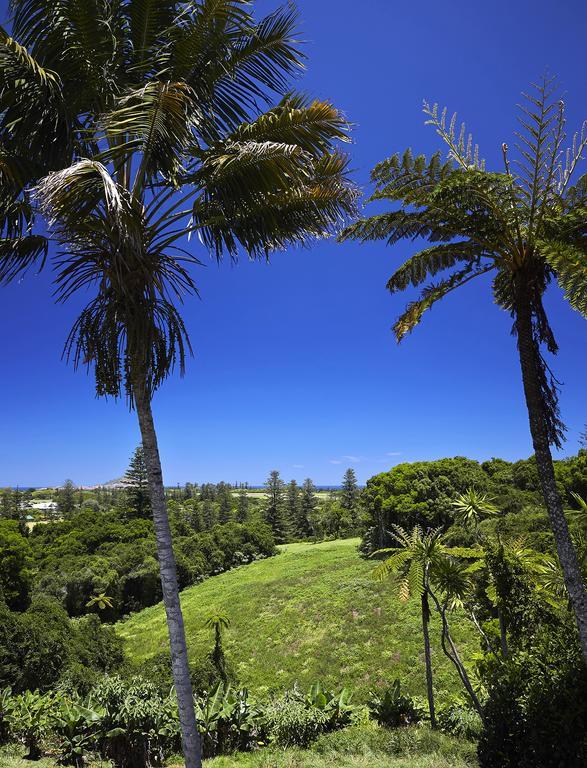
(427, 656)
(179, 659)
(529, 362)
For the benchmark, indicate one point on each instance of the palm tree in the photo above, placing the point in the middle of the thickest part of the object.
(411, 563)
(449, 588)
(159, 100)
(526, 227)
(101, 602)
(218, 622)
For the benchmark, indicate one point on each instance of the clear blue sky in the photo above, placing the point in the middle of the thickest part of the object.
(295, 366)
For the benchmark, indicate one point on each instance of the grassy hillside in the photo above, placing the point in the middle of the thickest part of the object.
(312, 612)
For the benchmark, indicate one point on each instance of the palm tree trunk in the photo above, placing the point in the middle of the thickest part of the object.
(454, 655)
(427, 656)
(179, 658)
(530, 365)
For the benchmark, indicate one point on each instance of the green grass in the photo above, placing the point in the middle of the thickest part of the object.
(360, 746)
(312, 612)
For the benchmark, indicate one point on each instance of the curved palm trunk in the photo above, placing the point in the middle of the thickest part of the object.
(454, 656)
(529, 362)
(179, 658)
(427, 655)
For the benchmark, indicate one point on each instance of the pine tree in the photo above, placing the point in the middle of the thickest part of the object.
(308, 504)
(242, 510)
(6, 503)
(293, 505)
(274, 511)
(209, 513)
(224, 503)
(349, 496)
(66, 499)
(136, 484)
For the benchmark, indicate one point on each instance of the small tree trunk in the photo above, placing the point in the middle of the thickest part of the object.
(427, 655)
(453, 654)
(530, 362)
(502, 633)
(179, 658)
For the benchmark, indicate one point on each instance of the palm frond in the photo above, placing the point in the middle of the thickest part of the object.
(429, 262)
(569, 263)
(156, 122)
(461, 147)
(415, 310)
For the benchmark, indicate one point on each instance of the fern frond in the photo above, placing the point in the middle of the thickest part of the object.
(414, 311)
(461, 147)
(569, 263)
(429, 262)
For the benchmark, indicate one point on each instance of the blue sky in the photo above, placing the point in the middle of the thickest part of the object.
(295, 366)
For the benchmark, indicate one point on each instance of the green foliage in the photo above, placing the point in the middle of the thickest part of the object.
(295, 719)
(392, 708)
(320, 615)
(43, 646)
(107, 554)
(15, 566)
(138, 726)
(29, 719)
(228, 721)
(136, 483)
(421, 493)
(459, 719)
(76, 728)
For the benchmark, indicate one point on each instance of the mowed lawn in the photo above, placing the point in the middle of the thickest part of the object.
(313, 612)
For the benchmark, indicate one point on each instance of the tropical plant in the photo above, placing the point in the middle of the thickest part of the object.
(139, 726)
(411, 563)
(471, 507)
(29, 719)
(5, 707)
(101, 602)
(228, 720)
(77, 729)
(218, 622)
(392, 708)
(147, 115)
(526, 227)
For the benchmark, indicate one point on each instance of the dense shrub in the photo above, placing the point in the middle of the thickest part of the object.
(42, 646)
(536, 713)
(392, 708)
(228, 721)
(138, 727)
(106, 553)
(295, 719)
(459, 719)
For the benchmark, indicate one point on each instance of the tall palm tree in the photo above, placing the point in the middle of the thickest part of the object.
(525, 225)
(157, 108)
(411, 563)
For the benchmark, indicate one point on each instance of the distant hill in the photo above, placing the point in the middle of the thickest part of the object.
(312, 612)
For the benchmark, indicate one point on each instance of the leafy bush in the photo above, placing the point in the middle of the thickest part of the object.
(361, 739)
(228, 721)
(295, 719)
(77, 729)
(392, 708)
(139, 726)
(29, 718)
(292, 723)
(5, 707)
(459, 719)
(536, 713)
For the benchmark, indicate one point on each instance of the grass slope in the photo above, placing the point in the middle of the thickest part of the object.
(313, 612)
